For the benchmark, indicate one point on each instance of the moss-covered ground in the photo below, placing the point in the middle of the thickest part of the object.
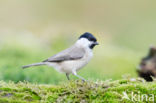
(78, 91)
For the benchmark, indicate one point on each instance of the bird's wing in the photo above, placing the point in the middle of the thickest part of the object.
(72, 53)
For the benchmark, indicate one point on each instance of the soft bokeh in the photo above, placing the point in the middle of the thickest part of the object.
(33, 30)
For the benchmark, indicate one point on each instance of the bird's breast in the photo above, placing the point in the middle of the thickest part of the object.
(69, 66)
(73, 65)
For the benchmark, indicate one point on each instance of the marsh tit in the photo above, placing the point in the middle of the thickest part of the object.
(71, 60)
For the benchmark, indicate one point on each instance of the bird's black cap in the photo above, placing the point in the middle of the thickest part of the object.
(88, 36)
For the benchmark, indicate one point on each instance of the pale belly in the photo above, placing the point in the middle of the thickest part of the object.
(70, 66)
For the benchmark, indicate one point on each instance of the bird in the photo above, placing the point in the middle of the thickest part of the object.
(71, 60)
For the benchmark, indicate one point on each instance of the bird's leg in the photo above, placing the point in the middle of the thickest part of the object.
(67, 75)
(74, 73)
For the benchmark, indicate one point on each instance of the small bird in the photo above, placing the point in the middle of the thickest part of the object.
(71, 60)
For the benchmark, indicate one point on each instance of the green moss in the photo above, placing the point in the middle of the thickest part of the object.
(75, 91)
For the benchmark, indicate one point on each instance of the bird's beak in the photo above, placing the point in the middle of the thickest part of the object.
(96, 43)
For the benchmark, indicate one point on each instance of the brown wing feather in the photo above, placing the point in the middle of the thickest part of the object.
(72, 53)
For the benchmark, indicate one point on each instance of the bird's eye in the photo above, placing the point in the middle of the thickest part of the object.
(92, 39)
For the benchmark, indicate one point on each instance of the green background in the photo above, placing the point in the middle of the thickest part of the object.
(33, 30)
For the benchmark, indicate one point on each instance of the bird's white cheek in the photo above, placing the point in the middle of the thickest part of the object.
(83, 42)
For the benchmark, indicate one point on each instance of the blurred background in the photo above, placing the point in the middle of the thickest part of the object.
(33, 30)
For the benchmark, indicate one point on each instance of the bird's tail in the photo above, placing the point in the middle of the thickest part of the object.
(35, 64)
